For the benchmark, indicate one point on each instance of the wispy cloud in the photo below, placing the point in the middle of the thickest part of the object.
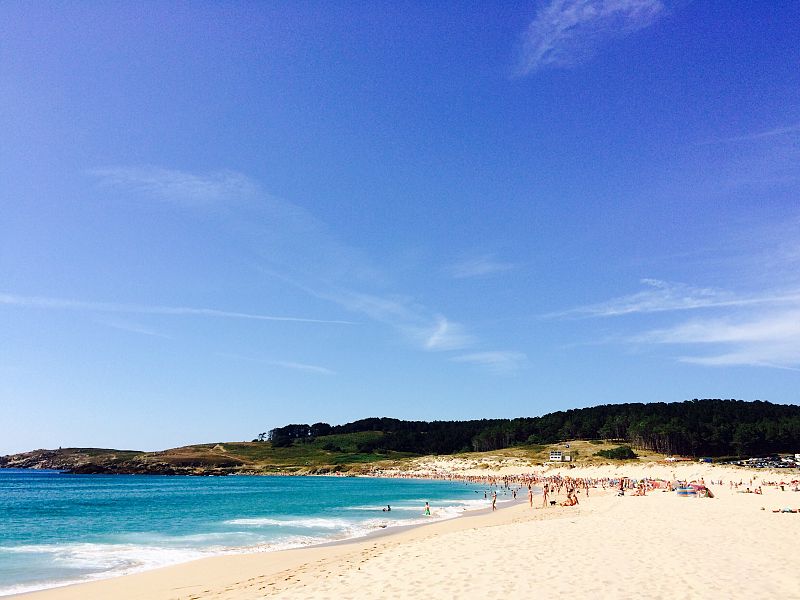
(663, 296)
(780, 327)
(480, 266)
(729, 329)
(302, 367)
(445, 335)
(284, 364)
(566, 32)
(760, 135)
(42, 302)
(284, 234)
(757, 160)
(771, 339)
(131, 327)
(498, 361)
(179, 186)
(771, 357)
(415, 322)
(288, 242)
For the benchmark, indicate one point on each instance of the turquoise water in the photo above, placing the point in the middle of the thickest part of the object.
(57, 529)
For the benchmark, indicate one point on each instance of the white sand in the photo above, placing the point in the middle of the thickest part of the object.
(656, 546)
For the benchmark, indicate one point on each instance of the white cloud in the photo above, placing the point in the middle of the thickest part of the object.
(42, 302)
(771, 339)
(565, 32)
(130, 326)
(386, 309)
(290, 243)
(284, 364)
(498, 361)
(180, 187)
(446, 335)
(303, 367)
(479, 267)
(760, 135)
(779, 326)
(663, 296)
(413, 321)
(732, 329)
(771, 357)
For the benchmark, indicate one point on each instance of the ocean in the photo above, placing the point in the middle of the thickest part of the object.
(57, 529)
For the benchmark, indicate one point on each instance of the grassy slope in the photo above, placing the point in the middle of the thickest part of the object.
(582, 451)
(261, 456)
(324, 454)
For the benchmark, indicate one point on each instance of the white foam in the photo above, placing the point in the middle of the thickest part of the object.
(309, 523)
(106, 560)
(109, 560)
(24, 588)
(399, 507)
(108, 556)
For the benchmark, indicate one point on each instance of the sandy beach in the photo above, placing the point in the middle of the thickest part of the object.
(656, 546)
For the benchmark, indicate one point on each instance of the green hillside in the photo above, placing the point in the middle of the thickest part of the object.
(713, 428)
(322, 455)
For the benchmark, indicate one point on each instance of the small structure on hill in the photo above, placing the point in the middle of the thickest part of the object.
(559, 456)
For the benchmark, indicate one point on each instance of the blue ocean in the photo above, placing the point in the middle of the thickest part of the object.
(57, 529)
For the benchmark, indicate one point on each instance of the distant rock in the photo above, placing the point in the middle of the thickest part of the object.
(96, 461)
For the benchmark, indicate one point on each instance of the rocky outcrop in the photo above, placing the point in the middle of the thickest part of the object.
(93, 461)
(60, 460)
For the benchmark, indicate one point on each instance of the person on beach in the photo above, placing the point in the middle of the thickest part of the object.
(545, 487)
(494, 500)
(427, 510)
(530, 496)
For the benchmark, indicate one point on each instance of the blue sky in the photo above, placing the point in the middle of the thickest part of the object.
(218, 218)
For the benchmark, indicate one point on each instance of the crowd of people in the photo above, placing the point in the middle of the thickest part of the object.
(563, 490)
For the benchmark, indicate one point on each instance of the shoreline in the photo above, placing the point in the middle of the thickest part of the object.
(331, 569)
(255, 550)
(77, 590)
(153, 583)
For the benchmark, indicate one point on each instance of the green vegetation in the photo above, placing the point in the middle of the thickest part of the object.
(335, 453)
(693, 428)
(310, 454)
(711, 428)
(618, 453)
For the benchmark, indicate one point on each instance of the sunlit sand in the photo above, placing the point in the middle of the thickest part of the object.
(659, 545)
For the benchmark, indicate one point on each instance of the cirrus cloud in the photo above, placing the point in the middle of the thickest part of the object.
(728, 329)
(566, 32)
(499, 361)
(292, 244)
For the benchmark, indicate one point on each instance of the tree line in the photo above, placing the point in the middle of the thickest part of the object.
(709, 427)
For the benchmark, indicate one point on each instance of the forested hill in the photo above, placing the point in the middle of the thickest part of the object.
(691, 428)
(695, 428)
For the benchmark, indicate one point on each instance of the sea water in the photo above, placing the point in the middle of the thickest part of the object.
(57, 529)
